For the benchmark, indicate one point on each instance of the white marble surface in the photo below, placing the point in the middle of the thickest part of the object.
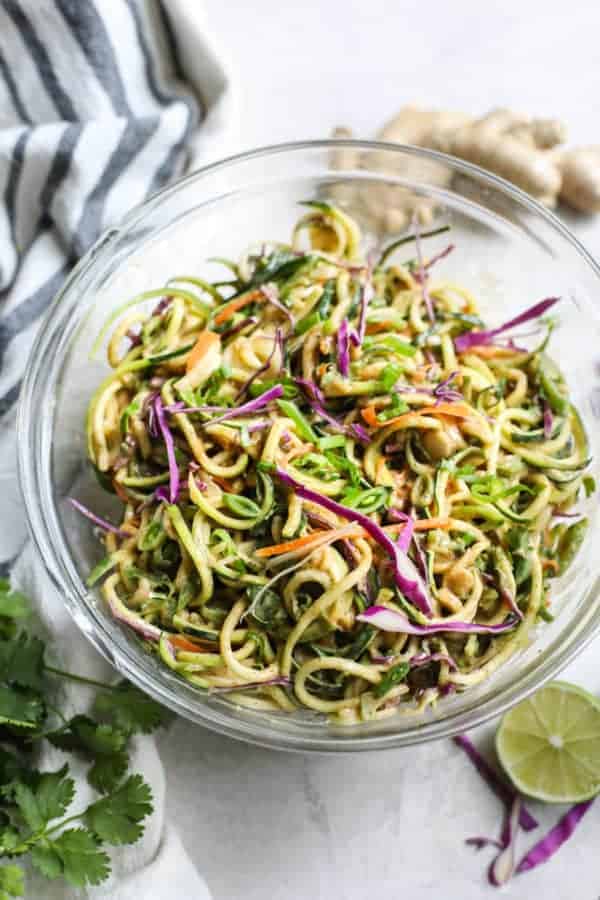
(265, 825)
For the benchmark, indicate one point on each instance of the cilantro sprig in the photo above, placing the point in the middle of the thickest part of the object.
(37, 821)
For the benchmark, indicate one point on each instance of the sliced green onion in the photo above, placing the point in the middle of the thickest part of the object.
(331, 441)
(241, 506)
(308, 322)
(304, 429)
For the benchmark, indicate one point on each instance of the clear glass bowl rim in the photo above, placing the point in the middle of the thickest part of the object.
(56, 556)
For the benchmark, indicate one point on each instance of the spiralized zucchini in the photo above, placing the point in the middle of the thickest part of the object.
(250, 427)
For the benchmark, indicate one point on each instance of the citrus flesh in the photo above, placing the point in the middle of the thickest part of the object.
(549, 745)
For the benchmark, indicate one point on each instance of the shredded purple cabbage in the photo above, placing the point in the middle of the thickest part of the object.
(316, 400)
(406, 536)
(423, 659)
(393, 620)
(282, 680)
(277, 344)
(444, 393)
(343, 349)
(505, 596)
(556, 837)
(438, 256)
(128, 617)
(161, 306)
(548, 419)
(250, 320)
(245, 409)
(159, 412)
(97, 520)
(406, 575)
(477, 338)
(421, 275)
(503, 866)
(480, 842)
(271, 294)
(366, 295)
(494, 780)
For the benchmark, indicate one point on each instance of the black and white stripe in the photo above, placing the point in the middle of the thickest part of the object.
(94, 117)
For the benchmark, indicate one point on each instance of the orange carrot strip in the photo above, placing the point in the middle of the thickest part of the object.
(458, 410)
(234, 305)
(421, 525)
(206, 340)
(487, 352)
(182, 643)
(308, 539)
(223, 483)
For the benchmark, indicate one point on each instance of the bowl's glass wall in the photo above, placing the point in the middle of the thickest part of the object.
(509, 253)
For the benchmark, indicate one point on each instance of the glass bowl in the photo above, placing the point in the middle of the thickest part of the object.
(510, 252)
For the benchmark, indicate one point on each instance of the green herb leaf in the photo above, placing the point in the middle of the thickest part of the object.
(89, 737)
(107, 772)
(47, 861)
(11, 882)
(83, 861)
(13, 604)
(21, 708)
(131, 709)
(394, 676)
(115, 818)
(46, 798)
(22, 661)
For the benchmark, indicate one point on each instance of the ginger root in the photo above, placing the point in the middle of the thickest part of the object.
(580, 187)
(523, 150)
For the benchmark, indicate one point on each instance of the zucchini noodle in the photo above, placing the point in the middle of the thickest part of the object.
(319, 437)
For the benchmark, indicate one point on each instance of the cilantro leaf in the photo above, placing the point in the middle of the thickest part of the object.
(47, 861)
(83, 861)
(47, 797)
(107, 771)
(9, 840)
(392, 677)
(115, 818)
(131, 709)
(13, 604)
(22, 661)
(22, 708)
(11, 882)
(10, 767)
(87, 736)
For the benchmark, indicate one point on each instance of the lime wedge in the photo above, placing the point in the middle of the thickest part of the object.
(549, 745)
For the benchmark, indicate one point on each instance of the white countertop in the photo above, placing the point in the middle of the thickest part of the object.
(261, 824)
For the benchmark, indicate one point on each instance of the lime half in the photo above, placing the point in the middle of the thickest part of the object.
(549, 745)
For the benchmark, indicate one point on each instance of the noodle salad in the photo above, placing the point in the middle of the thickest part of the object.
(342, 492)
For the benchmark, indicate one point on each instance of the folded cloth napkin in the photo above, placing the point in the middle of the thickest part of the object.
(102, 102)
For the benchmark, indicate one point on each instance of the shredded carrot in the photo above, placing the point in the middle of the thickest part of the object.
(487, 352)
(422, 525)
(550, 564)
(305, 541)
(418, 375)
(120, 491)
(182, 643)
(234, 305)
(223, 483)
(206, 340)
(457, 410)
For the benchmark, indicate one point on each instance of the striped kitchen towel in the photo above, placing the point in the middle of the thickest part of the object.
(102, 102)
